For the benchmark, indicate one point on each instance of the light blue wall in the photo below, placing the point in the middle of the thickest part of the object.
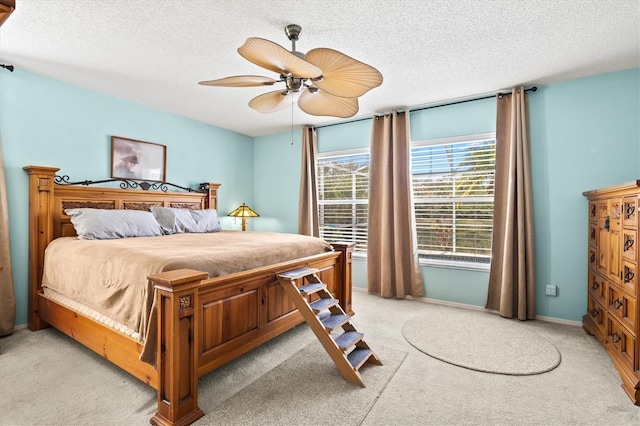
(584, 135)
(277, 181)
(45, 122)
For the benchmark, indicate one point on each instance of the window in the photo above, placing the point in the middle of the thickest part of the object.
(343, 194)
(453, 188)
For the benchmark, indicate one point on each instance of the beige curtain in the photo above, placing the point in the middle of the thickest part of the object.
(7, 295)
(392, 255)
(511, 277)
(308, 213)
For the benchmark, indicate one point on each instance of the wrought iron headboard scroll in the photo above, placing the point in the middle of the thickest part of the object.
(131, 184)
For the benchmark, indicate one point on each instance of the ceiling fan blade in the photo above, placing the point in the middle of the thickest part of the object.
(343, 75)
(271, 101)
(323, 103)
(276, 58)
(240, 81)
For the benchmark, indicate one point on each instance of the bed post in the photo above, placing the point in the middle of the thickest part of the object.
(212, 194)
(344, 270)
(41, 186)
(178, 345)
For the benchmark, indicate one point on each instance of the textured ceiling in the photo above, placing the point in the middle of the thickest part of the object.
(154, 52)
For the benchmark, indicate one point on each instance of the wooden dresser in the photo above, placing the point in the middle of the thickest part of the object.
(613, 315)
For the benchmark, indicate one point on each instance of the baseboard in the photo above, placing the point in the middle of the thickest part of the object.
(478, 308)
(20, 327)
(559, 321)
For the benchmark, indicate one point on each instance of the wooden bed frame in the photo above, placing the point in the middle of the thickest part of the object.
(202, 323)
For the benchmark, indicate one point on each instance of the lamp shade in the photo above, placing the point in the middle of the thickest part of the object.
(243, 211)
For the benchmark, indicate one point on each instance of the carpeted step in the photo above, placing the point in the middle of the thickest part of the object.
(322, 304)
(348, 339)
(298, 273)
(331, 322)
(308, 289)
(359, 356)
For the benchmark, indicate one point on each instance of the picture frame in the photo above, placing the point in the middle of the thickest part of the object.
(137, 160)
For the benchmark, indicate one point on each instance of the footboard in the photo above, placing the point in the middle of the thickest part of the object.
(205, 323)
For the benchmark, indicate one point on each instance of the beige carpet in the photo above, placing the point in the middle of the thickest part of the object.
(307, 389)
(481, 341)
(47, 379)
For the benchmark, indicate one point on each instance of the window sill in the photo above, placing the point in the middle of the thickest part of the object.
(445, 264)
(448, 264)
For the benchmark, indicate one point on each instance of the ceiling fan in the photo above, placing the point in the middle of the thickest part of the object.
(322, 82)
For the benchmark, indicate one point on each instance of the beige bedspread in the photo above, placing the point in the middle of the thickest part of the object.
(110, 276)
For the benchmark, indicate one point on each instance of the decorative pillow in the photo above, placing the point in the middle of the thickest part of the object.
(176, 221)
(172, 220)
(206, 220)
(99, 224)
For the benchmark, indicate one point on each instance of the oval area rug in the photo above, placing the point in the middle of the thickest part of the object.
(481, 341)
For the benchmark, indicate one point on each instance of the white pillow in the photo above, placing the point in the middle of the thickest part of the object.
(176, 221)
(99, 224)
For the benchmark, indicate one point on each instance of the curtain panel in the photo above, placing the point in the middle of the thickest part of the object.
(511, 276)
(393, 269)
(308, 212)
(7, 293)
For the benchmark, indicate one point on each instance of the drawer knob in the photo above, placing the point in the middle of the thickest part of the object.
(630, 209)
(628, 242)
(615, 337)
(628, 276)
(617, 304)
(595, 286)
(594, 313)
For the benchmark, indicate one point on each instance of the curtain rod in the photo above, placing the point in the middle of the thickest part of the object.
(500, 95)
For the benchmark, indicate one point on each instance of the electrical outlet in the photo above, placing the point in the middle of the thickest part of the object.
(551, 290)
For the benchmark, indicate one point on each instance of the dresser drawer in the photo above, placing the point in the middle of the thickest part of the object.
(598, 315)
(593, 211)
(593, 235)
(630, 212)
(592, 259)
(622, 342)
(629, 244)
(629, 277)
(597, 288)
(622, 306)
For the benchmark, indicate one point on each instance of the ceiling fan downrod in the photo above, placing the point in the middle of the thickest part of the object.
(293, 33)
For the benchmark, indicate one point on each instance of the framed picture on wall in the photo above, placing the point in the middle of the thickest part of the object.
(132, 159)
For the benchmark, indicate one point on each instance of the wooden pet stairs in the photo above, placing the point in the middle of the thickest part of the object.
(348, 350)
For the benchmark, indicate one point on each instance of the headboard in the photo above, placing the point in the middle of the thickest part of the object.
(47, 220)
